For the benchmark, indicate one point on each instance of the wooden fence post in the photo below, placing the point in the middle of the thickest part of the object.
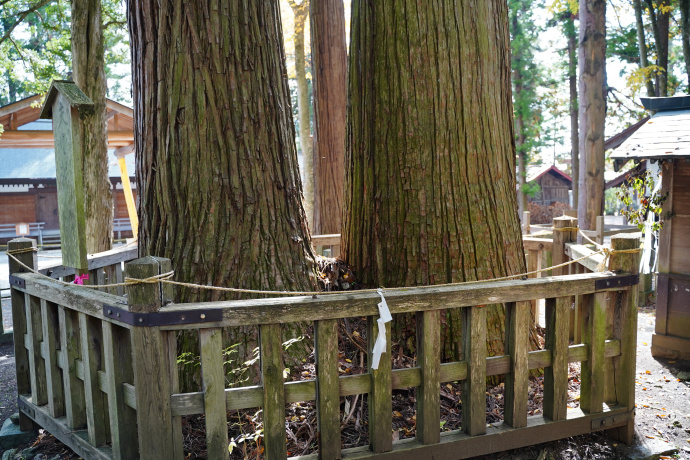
(151, 380)
(600, 226)
(560, 238)
(19, 326)
(625, 329)
(526, 224)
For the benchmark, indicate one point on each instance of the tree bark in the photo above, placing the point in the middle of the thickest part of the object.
(430, 152)
(301, 12)
(684, 6)
(88, 64)
(329, 67)
(574, 111)
(660, 23)
(642, 46)
(592, 101)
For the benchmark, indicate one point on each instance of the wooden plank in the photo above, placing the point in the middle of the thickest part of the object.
(151, 382)
(129, 197)
(428, 359)
(170, 343)
(593, 260)
(594, 336)
(274, 395)
(70, 344)
(517, 347)
(534, 243)
(556, 375)
(474, 386)
(34, 331)
(98, 260)
(213, 383)
(51, 342)
(117, 350)
(401, 300)
(560, 238)
(380, 400)
(667, 173)
(325, 240)
(327, 388)
(91, 340)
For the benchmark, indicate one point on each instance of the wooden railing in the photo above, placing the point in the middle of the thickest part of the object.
(100, 372)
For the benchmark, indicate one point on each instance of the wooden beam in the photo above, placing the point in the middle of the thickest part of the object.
(126, 150)
(129, 197)
(44, 139)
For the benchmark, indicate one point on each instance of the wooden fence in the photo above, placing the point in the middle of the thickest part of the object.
(99, 371)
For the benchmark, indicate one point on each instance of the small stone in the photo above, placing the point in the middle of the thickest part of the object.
(15, 418)
(685, 375)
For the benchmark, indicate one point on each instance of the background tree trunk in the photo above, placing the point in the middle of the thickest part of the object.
(88, 64)
(217, 173)
(642, 45)
(430, 154)
(571, 34)
(660, 23)
(592, 97)
(301, 12)
(329, 68)
(684, 6)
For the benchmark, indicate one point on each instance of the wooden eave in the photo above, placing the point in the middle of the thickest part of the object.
(76, 98)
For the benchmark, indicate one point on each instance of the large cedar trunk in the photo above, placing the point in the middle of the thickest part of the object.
(88, 64)
(217, 173)
(430, 153)
(592, 99)
(329, 59)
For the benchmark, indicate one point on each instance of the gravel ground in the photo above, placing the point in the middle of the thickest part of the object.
(8, 382)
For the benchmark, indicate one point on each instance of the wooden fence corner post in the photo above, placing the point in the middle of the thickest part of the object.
(560, 238)
(526, 224)
(19, 326)
(625, 329)
(151, 379)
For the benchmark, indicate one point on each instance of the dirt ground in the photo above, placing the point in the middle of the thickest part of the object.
(663, 413)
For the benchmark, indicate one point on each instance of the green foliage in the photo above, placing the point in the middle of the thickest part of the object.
(621, 43)
(531, 189)
(637, 186)
(35, 47)
(527, 76)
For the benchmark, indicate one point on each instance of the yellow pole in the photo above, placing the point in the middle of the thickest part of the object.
(129, 198)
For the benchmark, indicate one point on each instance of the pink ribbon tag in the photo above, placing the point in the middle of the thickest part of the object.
(79, 279)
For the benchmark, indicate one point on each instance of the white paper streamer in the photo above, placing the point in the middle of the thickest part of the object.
(380, 345)
(645, 260)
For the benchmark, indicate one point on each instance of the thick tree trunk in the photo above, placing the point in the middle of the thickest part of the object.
(592, 98)
(574, 126)
(660, 23)
(642, 46)
(329, 68)
(684, 6)
(217, 173)
(522, 164)
(88, 64)
(301, 12)
(430, 153)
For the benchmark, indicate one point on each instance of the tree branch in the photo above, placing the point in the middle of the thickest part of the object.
(21, 16)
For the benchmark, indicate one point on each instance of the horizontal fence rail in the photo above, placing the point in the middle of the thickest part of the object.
(100, 371)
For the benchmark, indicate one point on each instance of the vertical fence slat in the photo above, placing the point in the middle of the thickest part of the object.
(56, 396)
(119, 278)
(556, 376)
(428, 359)
(474, 386)
(517, 346)
(170, 339)
(96, 421)
(380, 396)
(151, 382)
(594, 336)
(533, 264)
(213, 382)
(274, 392)
(118, 367)
(625, 329)
(327, 388)
(70, 345)
(34, 330)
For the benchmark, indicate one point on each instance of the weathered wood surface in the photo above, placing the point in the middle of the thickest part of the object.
(534, 243)
(517, 348)
(428, 359)
(70, 345)
(213, 382)
(21, 355)
(593, 260)
(51, 342)
(593, 335)
(556, 375)
(560, 239)
(380, 402)
(327, 388)
(117, 351)
(474, 386)
(274, 396)
(91, 343)
(401, 300)
(37, 369)
(94, 261)
(325, 240)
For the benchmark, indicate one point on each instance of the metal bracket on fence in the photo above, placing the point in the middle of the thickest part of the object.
(27, 409)
(617, 282)
(16, 281)
(163, 318)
